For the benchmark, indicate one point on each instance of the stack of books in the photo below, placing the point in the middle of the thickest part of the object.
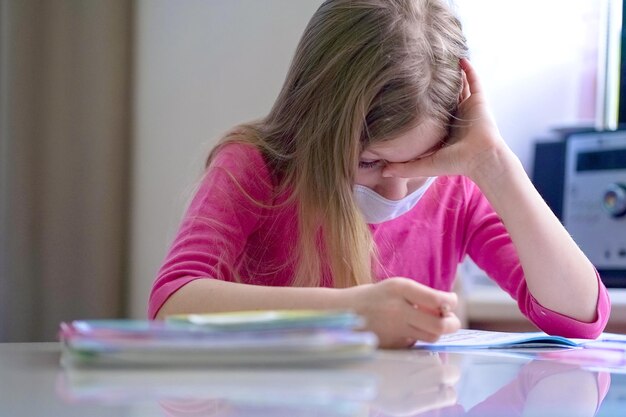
(224, 339)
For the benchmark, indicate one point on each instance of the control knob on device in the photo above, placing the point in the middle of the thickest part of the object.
(614, 201)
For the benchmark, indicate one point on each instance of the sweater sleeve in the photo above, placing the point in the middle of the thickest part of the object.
(226, 208)
(491, 248)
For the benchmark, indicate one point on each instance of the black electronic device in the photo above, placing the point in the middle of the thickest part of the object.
(548, 173)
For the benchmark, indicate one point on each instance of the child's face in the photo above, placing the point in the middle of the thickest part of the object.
(421, 140)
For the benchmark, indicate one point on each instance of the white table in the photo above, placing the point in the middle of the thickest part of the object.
(393, 383)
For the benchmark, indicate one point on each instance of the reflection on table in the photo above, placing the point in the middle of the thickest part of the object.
(394, 383)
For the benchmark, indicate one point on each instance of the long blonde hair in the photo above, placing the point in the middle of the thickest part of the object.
(364, 71)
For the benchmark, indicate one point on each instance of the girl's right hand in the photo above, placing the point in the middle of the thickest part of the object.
(401, 311)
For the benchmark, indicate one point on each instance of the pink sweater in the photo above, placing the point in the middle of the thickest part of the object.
(227, 233)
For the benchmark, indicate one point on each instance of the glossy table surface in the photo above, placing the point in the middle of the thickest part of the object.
(578, 382)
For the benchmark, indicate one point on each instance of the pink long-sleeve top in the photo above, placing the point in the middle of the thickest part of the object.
(238, 228)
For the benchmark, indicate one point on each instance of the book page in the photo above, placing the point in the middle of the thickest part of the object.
(482, 339)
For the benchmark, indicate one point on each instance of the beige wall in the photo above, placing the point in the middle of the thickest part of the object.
(201, 67)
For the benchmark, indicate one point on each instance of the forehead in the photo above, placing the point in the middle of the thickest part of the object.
(409, 145)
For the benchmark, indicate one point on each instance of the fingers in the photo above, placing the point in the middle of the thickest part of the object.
(428, 298)
(427, 327)
(428, 313)
(472, 78)
(408, 335)
(405, 311)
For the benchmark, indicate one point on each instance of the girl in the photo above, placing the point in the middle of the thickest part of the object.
(377, 170)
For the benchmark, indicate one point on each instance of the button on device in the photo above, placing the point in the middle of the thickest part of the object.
(614, 201)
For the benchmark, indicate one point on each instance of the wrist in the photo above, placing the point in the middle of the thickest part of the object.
(347, 298)
(341, 298)
(494, 167)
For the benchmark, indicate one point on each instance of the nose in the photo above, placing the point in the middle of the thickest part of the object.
(392, 188)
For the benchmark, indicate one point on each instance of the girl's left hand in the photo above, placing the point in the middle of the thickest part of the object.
(474, 139)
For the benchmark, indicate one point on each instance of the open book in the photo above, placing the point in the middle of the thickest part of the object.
(482, 339)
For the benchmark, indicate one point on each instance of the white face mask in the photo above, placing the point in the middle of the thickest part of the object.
(377, 209)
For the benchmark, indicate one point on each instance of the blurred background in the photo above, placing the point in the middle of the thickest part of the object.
(108, 109)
